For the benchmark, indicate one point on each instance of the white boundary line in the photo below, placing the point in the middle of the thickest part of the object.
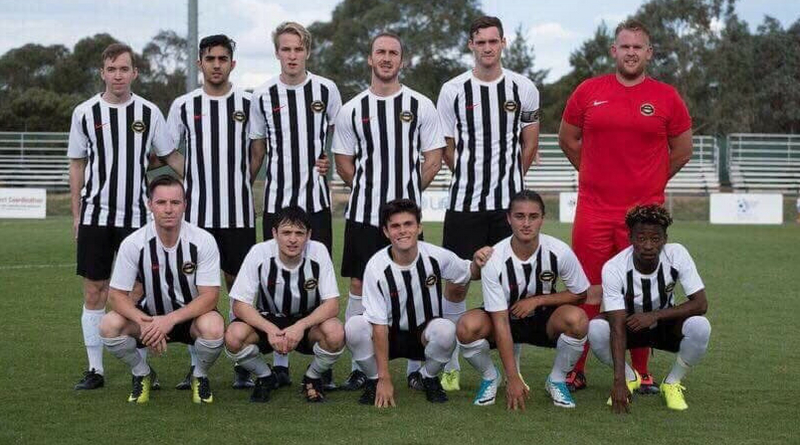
(36, 266)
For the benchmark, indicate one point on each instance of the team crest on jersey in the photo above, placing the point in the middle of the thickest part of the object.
(406, 116)
(318, 106)
(670, 287)
(138, 126)
(431, 280)
(310, 284)
(547, 276)
(239, 116)
(510, 106)
(189, 267)
(647, 109)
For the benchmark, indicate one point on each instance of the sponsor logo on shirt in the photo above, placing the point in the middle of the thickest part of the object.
(318, 106)
(138, 126)
(406, 116)
(647, 109)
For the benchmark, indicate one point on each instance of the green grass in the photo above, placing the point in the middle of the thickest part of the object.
(743, 392)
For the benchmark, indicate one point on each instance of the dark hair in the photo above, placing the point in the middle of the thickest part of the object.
(632, 25)
(217, 40)
(115, 50)
(648, 214)
(486, 21)
(293, 215)
(526, 195)
(163, 181)
(387, 34)
(392, 208)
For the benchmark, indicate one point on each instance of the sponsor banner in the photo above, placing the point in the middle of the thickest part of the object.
(434, 205)
(567, 201)
(746, 208)
(23, 203)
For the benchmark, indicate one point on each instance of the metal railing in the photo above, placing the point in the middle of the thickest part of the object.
(764, 162)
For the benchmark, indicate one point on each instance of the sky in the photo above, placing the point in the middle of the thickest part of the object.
(554, 27)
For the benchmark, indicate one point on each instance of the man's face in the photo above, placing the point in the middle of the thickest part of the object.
(386, 58)
(647, 241)
(118, 74)
(525, 219)
(167, 205)
(216, 65)
(632, 51)
(291, 239)
(402, 230)
(487, 47)
(292, 54)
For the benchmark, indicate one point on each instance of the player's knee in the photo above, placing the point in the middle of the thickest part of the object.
(333, 333)
(95, 294)
(468, 328)
(697, 328)
(576, 322)
(111, 325)
(599, 332)
(357, 330)
(355, 286)
(442, 332)
(210, 325)
(234, 337)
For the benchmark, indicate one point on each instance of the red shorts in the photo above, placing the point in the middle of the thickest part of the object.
(596, 237)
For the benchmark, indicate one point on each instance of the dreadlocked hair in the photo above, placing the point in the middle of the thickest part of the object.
(648, 214)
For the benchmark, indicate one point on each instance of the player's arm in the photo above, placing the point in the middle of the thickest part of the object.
(449, 154)
(384, 394)
(620, 396)
(530, 146)
(569, 139)
(206, 301)
(77, 168)
(680, 151)
(174, 160)
(431, 165)
(249, 314)
(124, 303)
(515, 390)
(258, 149)
(525, 306)
(294, 333)
(697, 304)
(345, 167)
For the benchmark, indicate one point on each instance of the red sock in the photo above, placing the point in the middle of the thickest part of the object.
(639, 358)
(591, 311)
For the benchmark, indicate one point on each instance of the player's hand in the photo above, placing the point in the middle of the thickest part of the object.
(157, 330)
(482, 255)
(292, 335)
(516, 393)
(384, 394)
(643, 320)
(277, 340)
(620, 398)
(525, 307)
(323, 164)
(159, 348)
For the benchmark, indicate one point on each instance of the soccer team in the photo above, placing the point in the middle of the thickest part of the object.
(626, 134)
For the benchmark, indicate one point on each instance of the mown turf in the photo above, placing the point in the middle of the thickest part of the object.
(744, 391)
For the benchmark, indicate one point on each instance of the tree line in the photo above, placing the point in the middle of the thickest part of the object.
(732, 79)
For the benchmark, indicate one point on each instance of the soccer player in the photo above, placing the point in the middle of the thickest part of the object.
(626, 134)
(178, 265)
(285, 299)
(490, 120)
(382, 136)
(403, 306)
(639, 308)
(110, 142)
(523, 305)
(292, 118)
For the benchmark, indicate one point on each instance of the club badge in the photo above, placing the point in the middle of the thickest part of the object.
(647, 109)
(138, 126)
(510, 106)
(310, 284)
(239, 116)
(431, 280)
(406, 116)
(547, 276)
(318, 106)
(189, 267)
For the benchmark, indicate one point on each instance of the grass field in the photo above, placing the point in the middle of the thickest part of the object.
(743, 392)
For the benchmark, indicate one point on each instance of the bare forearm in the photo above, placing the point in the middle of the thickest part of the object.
(328, 309)
(505, 344)
(570, 141)
(345, 168)
(176, 162)
(258, 149)
(449, 154)
(530, 146)
(76, 181)
(205, 302)
(380, 338)
(248, 314)
(618, 343)
(696, 305)
(431, 166)
(560, 298)
(122, 303)
(680, 151)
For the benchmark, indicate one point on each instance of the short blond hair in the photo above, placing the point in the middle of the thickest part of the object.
(292, 28)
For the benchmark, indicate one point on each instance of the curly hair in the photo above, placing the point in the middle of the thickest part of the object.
(648, 214)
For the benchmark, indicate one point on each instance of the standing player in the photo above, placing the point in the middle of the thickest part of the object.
(639, 308)
(286, 299)
(523, 305)
(110, 142)
(178, 265)
(626, 134)
(490, 119)
(403, 306)
(292, 117)
(381, 134)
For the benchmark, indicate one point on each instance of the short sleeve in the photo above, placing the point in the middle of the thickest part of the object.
(687, 271)
(334, 104)
(454, 269)
(679, 119)
(327, 286)
(344, 140)
(126, 265)
(161, 141)
(245, 287)
(430, 129)
(494, 298)
(376, 309)
(207, 273)
(446, 111)
(530, 104)
(78, 139)
(574, 111)
(571, 272)
(258, 123)
(613, 296)
(175, 128)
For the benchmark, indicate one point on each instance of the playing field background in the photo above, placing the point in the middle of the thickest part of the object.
(743, 392)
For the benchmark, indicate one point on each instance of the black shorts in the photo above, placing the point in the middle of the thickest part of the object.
(466, 232)
(233, 245)
(666, 336)
(97, 246)
(305, 346)
(180, 333)
(533, 329)
(321, 227)
(406, 344)
(361, 241)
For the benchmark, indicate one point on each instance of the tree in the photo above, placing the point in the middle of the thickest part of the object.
(520, 57)
(162, 72)
(777, 96)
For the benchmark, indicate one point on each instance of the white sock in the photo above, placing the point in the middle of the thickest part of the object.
(441, 337)
(208, 352)
(600, 342)
(568, 351)
(518, 356)
(124, 348)
(143, 353)
(358, 334)
(90, 323)
(192, 355)
(250, 359)
(453, 312)
(696, 333)
(477, 354)
(413, 366)
(355, 306)
(323, 361)
(678, 371)
(279, 359)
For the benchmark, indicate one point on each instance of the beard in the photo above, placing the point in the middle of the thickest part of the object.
(385, 77)
(628, 73)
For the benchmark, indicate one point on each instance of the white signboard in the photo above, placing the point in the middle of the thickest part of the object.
(567, 201)
(434, 205)
(23, 203)
(746, 208)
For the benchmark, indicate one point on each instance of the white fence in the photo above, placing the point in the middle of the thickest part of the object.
(764, 162)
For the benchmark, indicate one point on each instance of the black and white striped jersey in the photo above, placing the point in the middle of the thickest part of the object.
(485, 120)
(217, 157)
(506, 278)
(294, 120)
(407, 297)
(387, 136)
(625, 288)
(116, 140)
(268, 285)
(169, 276)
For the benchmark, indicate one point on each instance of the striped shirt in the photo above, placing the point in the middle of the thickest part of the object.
(506, 278)
(485, 120)
(625, 288)
(272, 288)
(294, 119)
(116, 140)
(407, 297)
(386, 135)
(170, 276)
(217, 157)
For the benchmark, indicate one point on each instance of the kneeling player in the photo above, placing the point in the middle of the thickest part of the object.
(403, 306)
(639, 310)
(178, 264)
(286, 299)
(522, 305)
